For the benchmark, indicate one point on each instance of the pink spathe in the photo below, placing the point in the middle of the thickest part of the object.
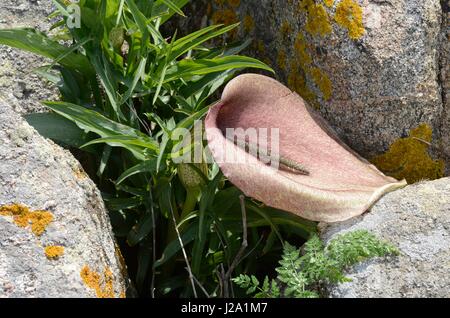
(340, 185)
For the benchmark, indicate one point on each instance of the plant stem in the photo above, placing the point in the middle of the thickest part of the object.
(291, 165)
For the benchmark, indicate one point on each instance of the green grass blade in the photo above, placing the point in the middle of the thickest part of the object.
(57, 128)
(140, 72)
(126, 140)
(197, 38)
(189, 68)
(37, 43)
(147, 166)
(173, 7)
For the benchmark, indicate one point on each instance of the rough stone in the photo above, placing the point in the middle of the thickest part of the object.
(416, 219)
(40, 175)
(19, 84)
(373, 82)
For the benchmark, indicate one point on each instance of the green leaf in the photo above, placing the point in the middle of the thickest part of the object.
(140, 72)
(123, 203)
(173, 6)
(36, 42)
(104, 160)
(189, 68)
(174, 247)
(95, 122)
(195, 39)
(140, 230)
(57, 128)
(125, 141)
(147, 166)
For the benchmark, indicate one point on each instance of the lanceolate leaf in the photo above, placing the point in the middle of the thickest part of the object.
(38, 43)
(147, 166)
(57, 128)
(189, 68)
(93, 121)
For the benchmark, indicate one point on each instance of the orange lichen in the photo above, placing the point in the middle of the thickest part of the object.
(328, 3)
(54, 251)
(322, 82)
(122, 294)
(349, 16)
(234, 3)
(408, 158)
(103, 285)
(281, 59)
(23, 216)
(248, 23)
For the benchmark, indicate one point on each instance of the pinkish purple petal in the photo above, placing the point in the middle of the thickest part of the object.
(341, 184)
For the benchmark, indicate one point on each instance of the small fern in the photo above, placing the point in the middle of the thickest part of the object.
(300, 275)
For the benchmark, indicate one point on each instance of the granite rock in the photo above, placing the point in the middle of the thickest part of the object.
(416, 219)
(38, 175)
(374, 69)
(19, 84)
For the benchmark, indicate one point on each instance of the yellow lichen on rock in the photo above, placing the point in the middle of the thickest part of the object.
(301, 50)
(408, 158)
(317, 18)
(23, 217)
(328, 3)
(322, 82)
(297, 83)
(234, 3)
(226, 17)
(281, 60)
(349, 16)
(54, 251)
(103, 285)
(248, 23)
(285, 30)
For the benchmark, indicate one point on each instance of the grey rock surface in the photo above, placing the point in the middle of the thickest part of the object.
(18, 82)
(374, 87)
(416, 219)
(40, 175)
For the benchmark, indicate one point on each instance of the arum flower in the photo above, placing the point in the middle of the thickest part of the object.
(338, 184)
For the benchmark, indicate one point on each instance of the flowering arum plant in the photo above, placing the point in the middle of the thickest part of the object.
(333, 184)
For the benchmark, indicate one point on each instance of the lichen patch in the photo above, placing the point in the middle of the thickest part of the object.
(408, 158)
(54, 252)
(349, 16)
(23, 217)
(102, 285)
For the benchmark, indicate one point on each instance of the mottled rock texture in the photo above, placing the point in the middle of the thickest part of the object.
(416, 219)
(41, 176)
(19, 85)
(55, 234)
(375, 69)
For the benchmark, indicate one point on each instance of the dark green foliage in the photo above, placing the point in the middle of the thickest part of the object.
(300, 275)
